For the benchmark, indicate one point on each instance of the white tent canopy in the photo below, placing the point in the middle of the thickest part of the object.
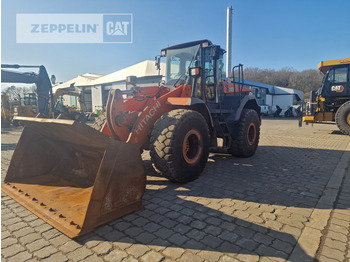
(79, 81)
(145, 68)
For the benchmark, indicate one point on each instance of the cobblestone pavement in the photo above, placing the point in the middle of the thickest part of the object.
(290, 201)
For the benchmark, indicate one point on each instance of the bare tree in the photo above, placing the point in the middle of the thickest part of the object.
(305, 80)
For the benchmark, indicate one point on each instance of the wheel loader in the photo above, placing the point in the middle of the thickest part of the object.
(77, 178)
(331, 103)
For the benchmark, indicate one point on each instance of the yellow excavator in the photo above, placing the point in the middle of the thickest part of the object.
(62, 111)
(331, 103)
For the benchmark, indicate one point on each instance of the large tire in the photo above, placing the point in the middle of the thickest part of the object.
(245, 143)
(180, 145)
(99, 122)
(342, 118)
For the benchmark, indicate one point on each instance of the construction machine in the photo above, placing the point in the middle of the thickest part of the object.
(11, 74)
(62, 111)
(331, 103)
(78, 178)
(6, 115)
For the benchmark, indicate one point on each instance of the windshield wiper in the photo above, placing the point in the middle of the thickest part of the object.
(187, 71)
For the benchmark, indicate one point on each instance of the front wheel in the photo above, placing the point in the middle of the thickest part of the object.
(180, 145)
(246, 141)
(342, 118)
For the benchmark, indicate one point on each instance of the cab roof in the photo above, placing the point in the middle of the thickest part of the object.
(324, 66)
(188, 44)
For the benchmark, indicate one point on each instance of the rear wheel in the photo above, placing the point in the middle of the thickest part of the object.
(180, 145)
(342, 118)
(248, 132)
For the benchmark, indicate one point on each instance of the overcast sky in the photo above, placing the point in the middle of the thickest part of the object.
(266, 34)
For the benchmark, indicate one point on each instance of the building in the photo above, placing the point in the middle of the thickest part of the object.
(271, 96)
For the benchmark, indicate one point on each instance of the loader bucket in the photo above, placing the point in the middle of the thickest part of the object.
(74, 177)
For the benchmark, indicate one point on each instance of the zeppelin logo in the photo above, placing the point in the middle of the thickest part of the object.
(147, 118)
(338, 89)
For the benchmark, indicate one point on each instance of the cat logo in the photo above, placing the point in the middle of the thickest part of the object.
(117, 28)
(337, 89)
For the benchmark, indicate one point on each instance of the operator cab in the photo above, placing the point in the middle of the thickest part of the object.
(336, 82)
(199, 64)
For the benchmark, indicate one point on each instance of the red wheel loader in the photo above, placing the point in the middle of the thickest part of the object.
(77, 178)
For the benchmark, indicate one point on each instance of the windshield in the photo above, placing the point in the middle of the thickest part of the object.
(178, 61)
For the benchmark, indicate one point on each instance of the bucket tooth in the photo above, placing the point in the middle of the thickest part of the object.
(74, 177)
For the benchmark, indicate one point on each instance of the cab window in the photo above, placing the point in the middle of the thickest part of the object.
(209, 66)
(338, 75)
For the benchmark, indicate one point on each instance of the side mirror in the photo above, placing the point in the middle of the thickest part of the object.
(215, 52)
(157, 62)
(195, 72)
(131, 80)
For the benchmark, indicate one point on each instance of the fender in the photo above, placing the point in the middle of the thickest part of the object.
(250, 102)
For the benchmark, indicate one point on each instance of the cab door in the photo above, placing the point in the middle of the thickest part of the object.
(336, 83)
(210, 76)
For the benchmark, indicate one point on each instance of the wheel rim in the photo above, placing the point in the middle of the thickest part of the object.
(192, 146)
(348, 119)
(251, 134)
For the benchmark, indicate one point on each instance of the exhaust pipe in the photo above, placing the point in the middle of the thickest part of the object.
(229, 42)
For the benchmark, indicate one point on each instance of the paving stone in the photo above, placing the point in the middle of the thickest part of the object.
(17, 226)
(30, 238)
(137, 250)
(196, 234)
(282, 246)
(177, 239)
(114, 236)
(69, 246)
(173, 253)
(43, 228)
(333, 253)
(198, 224)
(21, 256)
(37, 244)
(115, 256)
(152, 227)
(11, 250)
(226, 258)
(133, 231)
(327, 259)
(23, 232)
(145, 237)
(211, 241)
(247, 244)
(55, 258)
(45, 252)
(5, 234)
(59, 240)
(189, 257)
(152, 256)
(337, 236)
(93, 258)
(209, 255)
(121, 225)
(168, 223)
(103, 248)
(334, 244)
(79, 254)
(8, 242)
(228, 236)
(164, 233)
(51, 233)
